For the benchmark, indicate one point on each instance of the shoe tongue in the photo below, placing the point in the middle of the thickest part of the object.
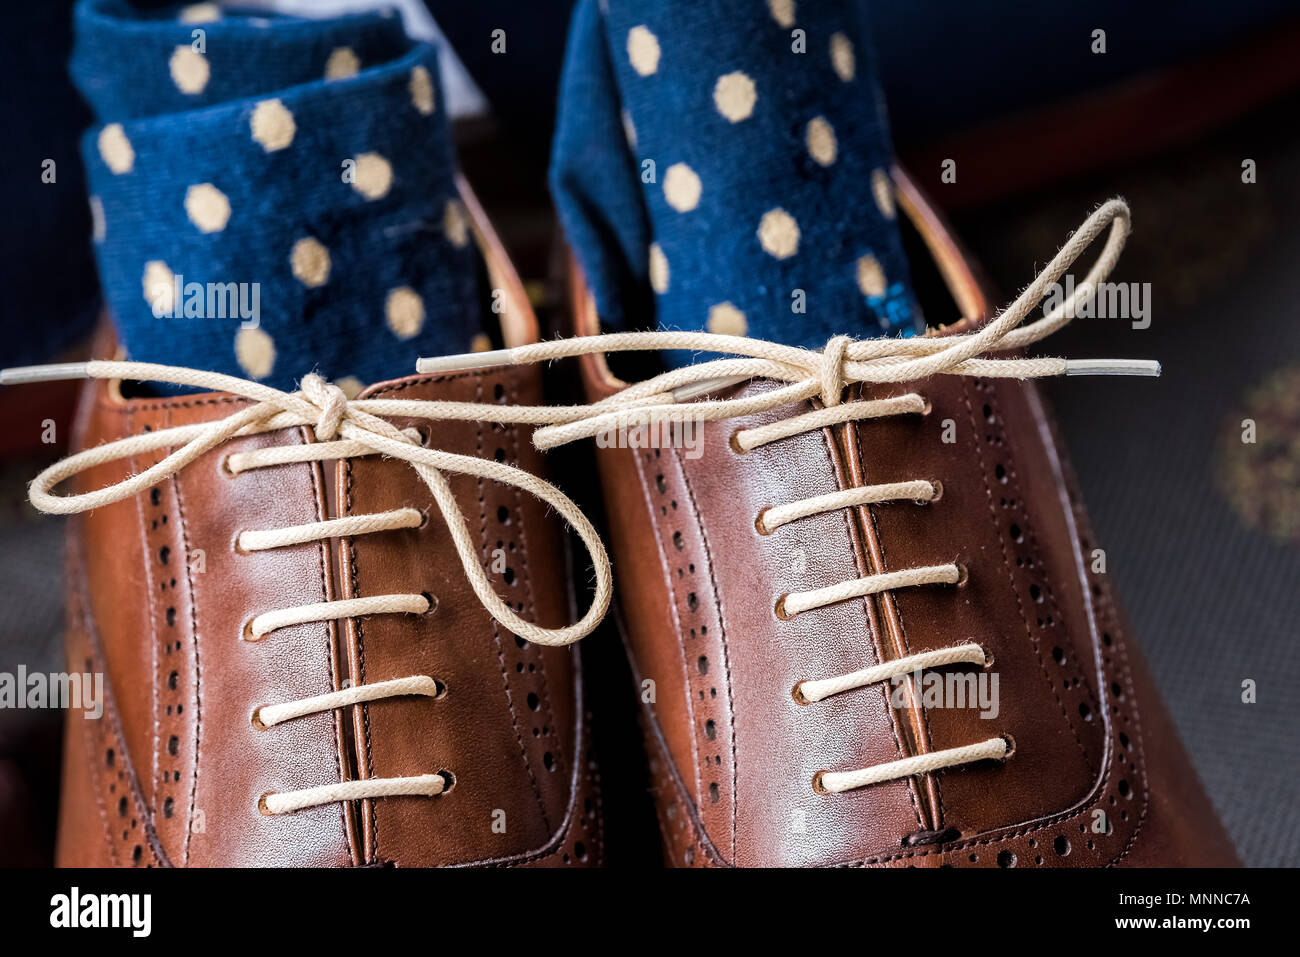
(272, 195)
(752, 195)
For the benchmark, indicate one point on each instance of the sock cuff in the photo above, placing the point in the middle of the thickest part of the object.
(129, 63)
(731, 159)
(329, 207)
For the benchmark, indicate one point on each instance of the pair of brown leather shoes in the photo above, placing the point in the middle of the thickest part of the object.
(305, 665)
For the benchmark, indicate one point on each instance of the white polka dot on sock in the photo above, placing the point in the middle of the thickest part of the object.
(778, 233)
(629, 130)
(189, 69)
(658, 269)
(199, 13)
(342, 63)
(726, 320)
(782, 12)
(310, 262)
(682, 188)
(373, 176)
(404, 310)
(820, 136)
(871, 278)
(883, 188)
(115, 149)
(455, 224)
(643, 50)
(480, 343)
(272, 125)
(159, 284)
(351, 386)
(734, 96)
(421, 87)
(207, 207)
(255, 352)
(97, 225)
(842, 58)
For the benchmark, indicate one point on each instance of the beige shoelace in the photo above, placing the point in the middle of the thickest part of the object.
(673, 397)
(681, 395)
(344, 429)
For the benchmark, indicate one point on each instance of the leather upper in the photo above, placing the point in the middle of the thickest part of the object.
(1097, 776)
(159, 599)
(160, 594)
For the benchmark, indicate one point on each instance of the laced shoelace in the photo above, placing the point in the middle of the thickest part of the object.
(343, 429)
(683, 394)
(673, 397)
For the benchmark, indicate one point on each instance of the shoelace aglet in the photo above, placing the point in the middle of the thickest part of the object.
(464, 361)
(693, 390)
(54, 372)
(1147, 367)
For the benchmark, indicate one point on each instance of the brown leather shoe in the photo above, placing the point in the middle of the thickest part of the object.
(766, 626)
(280, 692)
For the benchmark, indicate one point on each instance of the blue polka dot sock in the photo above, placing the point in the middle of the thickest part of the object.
(273, 195)
(731, 158)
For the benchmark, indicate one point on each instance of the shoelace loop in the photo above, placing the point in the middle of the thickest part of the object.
(686, 393)
(324, 407)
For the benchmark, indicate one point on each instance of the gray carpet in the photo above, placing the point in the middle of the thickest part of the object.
(1202, 531)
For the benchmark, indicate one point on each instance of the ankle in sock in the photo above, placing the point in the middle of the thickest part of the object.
(273, 195)
(732, 158)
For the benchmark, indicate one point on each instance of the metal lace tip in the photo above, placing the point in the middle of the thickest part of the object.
(465, 361)
(1144, 367)
(54, 372)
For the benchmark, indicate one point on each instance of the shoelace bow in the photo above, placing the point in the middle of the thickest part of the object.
(325, 408)
(672, 397)
(683, 395)
(343, 428)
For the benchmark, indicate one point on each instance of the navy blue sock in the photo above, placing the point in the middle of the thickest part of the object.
(733, 158)
(273, 195)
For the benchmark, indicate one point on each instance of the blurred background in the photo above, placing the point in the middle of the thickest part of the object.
(1201, 530)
